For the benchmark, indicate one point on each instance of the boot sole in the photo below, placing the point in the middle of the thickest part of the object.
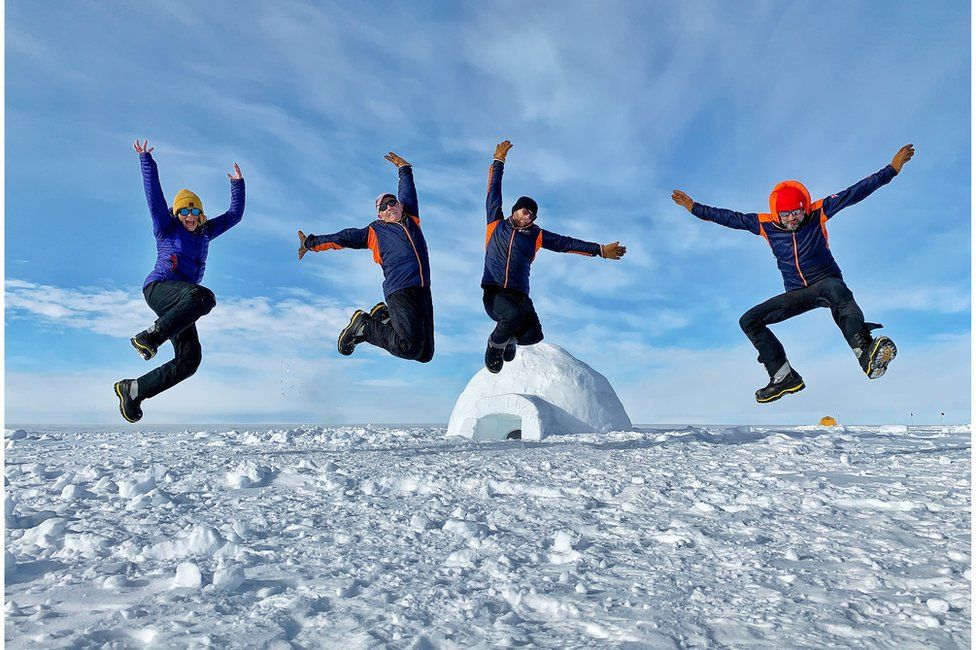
(785, 391)
(118, 393)
(883, 352)
(379, 308)
(144, 351)
(359, 313)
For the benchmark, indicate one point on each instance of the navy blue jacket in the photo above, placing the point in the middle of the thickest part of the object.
(399, 248)
(181, 255)
(510, 251)
(803, 256)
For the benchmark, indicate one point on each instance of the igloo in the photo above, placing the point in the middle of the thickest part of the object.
(544, 391)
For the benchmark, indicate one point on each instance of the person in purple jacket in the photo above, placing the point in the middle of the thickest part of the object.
(511, 245)
(403, 324)
(173, 290)
(796, 229)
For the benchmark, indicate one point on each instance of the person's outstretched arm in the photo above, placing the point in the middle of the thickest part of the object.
(867, 186)
(162, 219)
(562, 244)
(728, 218)
(348, 238)
(493, 204)
(406, 189)
(219, 225)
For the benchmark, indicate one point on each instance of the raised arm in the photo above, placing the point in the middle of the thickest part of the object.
(406, 189)
(728, 218)
(348, 238)
(493, 204)
(162, 219)
(219, 225)
(867, 186)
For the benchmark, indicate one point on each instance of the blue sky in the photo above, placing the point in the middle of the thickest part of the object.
(610, 106)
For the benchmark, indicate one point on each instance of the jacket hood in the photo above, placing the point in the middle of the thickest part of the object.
(784, 184)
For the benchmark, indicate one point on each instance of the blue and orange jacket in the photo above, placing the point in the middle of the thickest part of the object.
(399, 248)
(510, 251)
(803, 256)
(181, 255)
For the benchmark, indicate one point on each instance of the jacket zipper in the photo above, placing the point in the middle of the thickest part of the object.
(508, 261)
(796, 260)
(420, 267)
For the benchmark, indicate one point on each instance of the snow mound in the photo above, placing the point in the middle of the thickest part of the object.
(544, 391)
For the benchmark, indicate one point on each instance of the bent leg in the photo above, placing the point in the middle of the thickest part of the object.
(509, 311)
(836, 295)
(777, 309)
(178, 305)
(410, 331)
(183, 365)
(530, 331)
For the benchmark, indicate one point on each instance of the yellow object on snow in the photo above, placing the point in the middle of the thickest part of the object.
(828, 421)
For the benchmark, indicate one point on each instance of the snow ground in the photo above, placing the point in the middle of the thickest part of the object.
(400, 537)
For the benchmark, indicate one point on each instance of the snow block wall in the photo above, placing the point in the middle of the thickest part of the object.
(544, 391)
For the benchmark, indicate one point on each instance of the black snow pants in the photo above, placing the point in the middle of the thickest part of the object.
(178, 305)
(409, 334)
(515, 315)
(827, 292)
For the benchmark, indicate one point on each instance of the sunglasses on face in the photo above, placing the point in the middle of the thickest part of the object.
(185, 212)
(388, 203)
(792, 213)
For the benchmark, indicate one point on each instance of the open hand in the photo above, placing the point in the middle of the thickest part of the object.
(903, 156)
(142, 148)
(396, 160)
(301, 245)
(501, 150)
(237, 176)
(613, 251)
(682, 199)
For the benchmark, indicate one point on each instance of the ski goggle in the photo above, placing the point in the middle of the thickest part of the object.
(792, 213)
(185, 212)
(385, 204)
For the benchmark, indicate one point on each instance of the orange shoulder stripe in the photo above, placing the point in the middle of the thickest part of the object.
(490, 231)
(374, 245)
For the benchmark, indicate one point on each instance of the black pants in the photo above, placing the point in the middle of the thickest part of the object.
(827, 292)
(178, 305)
(410, 332)
(515, 315)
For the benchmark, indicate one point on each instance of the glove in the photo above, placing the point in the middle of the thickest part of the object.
(682, 199)
(501, 150)
(612, 251)
(301, 245)
(903, 156)
(396, 160)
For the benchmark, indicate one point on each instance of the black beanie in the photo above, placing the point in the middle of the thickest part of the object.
(529, 204)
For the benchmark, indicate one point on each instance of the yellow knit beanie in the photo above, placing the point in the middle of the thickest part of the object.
(187, 199)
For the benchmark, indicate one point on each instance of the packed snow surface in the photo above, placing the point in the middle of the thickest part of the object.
(544, 391)
(406, 538)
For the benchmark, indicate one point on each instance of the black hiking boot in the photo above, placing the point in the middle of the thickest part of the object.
(128, 407)
(494, 358)
(874, 354)
(146, 343)
(380, 313)
(791, 383)
(354, 333)
(509, 354)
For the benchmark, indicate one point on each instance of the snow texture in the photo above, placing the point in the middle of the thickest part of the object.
(544, 391)
(376, 537)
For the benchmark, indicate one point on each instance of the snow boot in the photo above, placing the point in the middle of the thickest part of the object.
(354, 333)
(380, 313)
(509, 354)
(128, 406)
(146, 342)
(494, 357)
(874, 354)
(791, 383)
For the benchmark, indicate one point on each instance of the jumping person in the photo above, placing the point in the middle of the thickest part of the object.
(510, 248)
(173, 290)
(796, 229)
(404, 323)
